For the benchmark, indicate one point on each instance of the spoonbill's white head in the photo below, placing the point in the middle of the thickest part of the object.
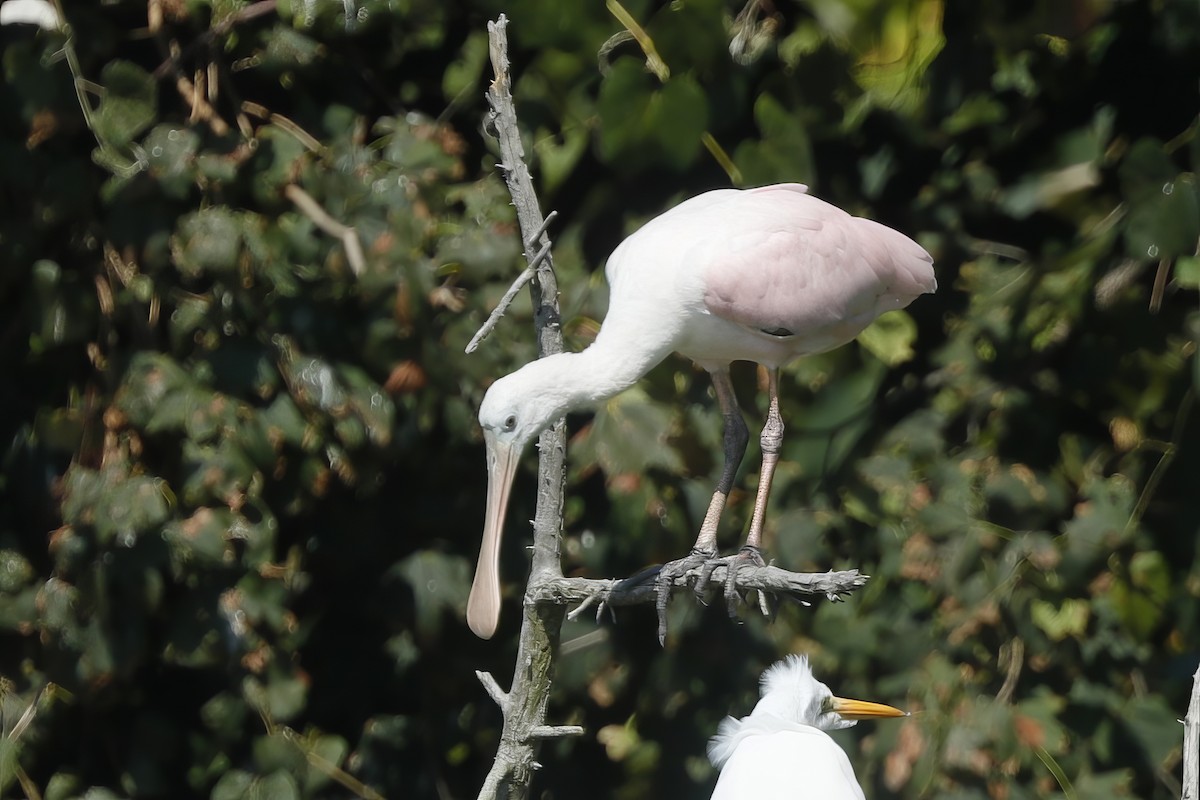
(515, 409)
(519, 406)
(790, 692)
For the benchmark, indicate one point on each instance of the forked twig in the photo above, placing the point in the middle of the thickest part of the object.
(527, 275)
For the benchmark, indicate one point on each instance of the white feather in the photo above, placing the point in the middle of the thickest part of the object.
(30, 12)
(781, 750)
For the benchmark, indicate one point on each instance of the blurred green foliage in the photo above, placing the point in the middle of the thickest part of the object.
(242, 482)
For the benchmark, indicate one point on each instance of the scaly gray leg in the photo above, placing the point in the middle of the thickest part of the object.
(750, 553)
(705, 549)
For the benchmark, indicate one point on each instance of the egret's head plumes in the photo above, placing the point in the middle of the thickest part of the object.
(792, 700)
(790, 691)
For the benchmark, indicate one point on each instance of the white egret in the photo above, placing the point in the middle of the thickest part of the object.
(765, 275)
(781, 751)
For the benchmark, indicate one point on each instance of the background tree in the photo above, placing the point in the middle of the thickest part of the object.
(242, 482)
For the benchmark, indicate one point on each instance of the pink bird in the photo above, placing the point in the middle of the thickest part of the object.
(765, 275)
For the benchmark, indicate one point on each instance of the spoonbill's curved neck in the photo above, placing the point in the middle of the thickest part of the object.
(568, 382)
(588, 378)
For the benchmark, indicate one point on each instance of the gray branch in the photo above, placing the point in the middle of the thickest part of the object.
(1191, 744)
(635, 591)
(524, 706)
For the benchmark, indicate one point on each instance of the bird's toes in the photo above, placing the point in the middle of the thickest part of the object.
(747, 556)
(700, 587)
(660, 604)
(666, 579)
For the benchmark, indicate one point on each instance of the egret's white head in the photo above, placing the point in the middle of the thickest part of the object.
(792, 699)
(790, 691)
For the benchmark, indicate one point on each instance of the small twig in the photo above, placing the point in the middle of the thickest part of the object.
(587, 603)
(545, 226)
(332, 770)
(604, 54)
(312, 209)
(1191, 744)
(1160, 284)
(201, 110)
(494, 318)
(305, 138)
(27, 716)
(22, 724)
(502, 307)
(1014, 651)
(988, 247)
(653, 60)
(556, 731)
(498, 695)
(589, 639)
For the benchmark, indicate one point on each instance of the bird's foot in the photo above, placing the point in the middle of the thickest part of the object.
(697, 558)
(747, 556)
(707, 561)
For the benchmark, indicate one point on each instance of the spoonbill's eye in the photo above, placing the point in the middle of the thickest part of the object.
(511, 422)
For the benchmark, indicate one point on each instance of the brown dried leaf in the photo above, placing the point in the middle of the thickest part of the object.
(898, 767)
(406, 377)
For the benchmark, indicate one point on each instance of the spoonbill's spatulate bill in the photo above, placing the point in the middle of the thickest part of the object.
(765, 275)
(781, 751)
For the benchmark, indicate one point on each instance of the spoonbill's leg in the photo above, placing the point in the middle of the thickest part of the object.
(735, 439)
(705, 549)
(771, 442)
(750, 553)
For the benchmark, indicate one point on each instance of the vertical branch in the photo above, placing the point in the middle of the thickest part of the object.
(524, 706)
(543, 290)
(1191, 744)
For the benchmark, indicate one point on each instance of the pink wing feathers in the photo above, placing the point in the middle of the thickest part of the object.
(796, 263)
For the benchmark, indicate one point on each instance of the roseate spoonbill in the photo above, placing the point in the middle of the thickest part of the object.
(765, 275)
(781, 751)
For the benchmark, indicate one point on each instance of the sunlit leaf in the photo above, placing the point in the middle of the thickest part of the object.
(128, 104)
(1068, 619)
(1140, 593)
(890, 338)
(630, 435)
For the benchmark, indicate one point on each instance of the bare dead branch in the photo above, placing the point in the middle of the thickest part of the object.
(1191, 744)
(541, 625)
(630, 592)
